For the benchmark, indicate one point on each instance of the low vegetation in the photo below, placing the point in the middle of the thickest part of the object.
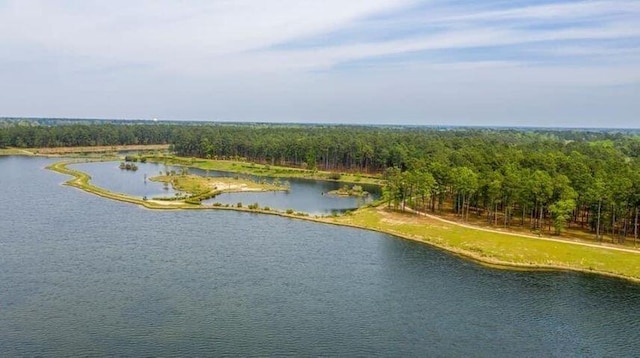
(503, 249)
(200, 188)
(570, 184)
(14, 151)
(493, 248)
(346, 190)
(260, 170)
(82, 180)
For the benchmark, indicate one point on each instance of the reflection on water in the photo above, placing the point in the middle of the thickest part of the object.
(309, 196)
(109, 176)
(84, 276)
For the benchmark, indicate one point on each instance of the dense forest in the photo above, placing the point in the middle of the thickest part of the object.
(544, 179)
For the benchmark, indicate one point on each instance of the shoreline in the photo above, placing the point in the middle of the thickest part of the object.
(65, 151)
(81, 180)
(265, 170)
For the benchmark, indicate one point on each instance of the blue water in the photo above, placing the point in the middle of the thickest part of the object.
(108, 175)
(84, 276)
(309, 196)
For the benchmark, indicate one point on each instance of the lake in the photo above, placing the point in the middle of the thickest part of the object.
(309, 196)
(85, 276)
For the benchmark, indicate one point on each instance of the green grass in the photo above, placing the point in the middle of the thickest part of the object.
(497, 248)
(263, 170)
(195, 184)
(82, 180)
(14, 151)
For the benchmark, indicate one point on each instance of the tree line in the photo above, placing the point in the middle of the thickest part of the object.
(544, 179)
(29, 135)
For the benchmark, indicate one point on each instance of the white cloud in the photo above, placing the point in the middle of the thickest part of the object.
(570, 11)
(166, 31)
(238, 59)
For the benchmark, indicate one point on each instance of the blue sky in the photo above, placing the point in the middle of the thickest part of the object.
(511, 63)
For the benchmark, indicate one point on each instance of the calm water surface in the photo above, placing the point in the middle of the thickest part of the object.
(85, 276)
(308, 196)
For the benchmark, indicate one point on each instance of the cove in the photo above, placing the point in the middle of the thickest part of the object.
(305, 195)
(86, 276)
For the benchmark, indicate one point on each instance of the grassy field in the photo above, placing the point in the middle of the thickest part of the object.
(54, 151)
(264, 170)
(499, 248)
(14, 151)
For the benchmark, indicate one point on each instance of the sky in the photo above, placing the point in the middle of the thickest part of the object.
(459, 62)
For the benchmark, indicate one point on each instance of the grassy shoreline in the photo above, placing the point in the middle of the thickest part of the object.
(497, 250)
(263, 170)
(500, 250)
(62, 151)
(201, 188)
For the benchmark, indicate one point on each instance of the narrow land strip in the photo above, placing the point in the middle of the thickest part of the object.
(55, 151)
(489, 247)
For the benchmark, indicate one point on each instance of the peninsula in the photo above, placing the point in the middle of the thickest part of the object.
(489, 247)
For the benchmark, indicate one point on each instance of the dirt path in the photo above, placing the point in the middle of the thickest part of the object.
(599, 246)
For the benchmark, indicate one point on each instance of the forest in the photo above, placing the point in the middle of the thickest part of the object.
(544, 179)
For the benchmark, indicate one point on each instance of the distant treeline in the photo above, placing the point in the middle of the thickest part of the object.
(536, 178)
(81, 135)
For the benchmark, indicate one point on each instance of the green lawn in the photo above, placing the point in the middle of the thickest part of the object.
(498, 248)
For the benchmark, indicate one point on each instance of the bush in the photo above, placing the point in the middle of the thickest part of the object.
(334, 176)
(289, 211)
(238, 205)
(266, 208)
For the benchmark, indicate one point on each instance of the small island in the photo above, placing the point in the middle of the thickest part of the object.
(200, 188)
(128, 166)
(355, 191)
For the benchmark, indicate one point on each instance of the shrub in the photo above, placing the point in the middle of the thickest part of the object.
(334, 176)
(266, 208)
(238, 205)
(289, 211)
